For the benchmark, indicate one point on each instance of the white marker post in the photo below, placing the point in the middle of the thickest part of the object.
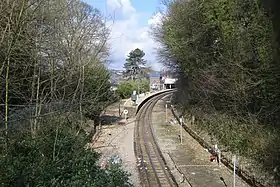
(165, 112)
(234, 168)
(181, 129)
(218, 154)
(125, 114)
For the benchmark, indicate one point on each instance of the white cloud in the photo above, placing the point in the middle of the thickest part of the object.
(114, 4)
(124, 5)
(127, 7)
(128, 34)
(156, 19)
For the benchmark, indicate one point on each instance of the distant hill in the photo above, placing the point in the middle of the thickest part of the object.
(116, 76)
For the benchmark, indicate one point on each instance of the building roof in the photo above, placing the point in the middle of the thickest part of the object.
(155, 75)
(169, 81)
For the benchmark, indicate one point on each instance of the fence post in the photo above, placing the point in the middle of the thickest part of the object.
(181, 129)
(234, 169)
(165, 112)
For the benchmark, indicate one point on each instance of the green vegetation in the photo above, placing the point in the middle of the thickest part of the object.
(135, 75)
(226, 54)
(126, 88)
(135, 65)
(55, 157)
(54, 85)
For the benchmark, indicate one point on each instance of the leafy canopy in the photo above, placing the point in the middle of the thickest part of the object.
(134, 63)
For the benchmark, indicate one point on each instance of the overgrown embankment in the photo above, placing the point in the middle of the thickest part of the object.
(54, 84)
(226, 55)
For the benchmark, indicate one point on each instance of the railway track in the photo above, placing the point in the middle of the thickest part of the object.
(151, 164)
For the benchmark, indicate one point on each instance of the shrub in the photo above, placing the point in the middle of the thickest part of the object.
(126, 88)
(56, 156)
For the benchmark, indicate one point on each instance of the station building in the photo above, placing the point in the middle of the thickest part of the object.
(169, 83)
(156, 83)
(159, 82)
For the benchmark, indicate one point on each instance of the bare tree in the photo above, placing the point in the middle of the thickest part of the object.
(64, 40)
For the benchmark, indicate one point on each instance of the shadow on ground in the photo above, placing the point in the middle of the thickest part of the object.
(108, 119)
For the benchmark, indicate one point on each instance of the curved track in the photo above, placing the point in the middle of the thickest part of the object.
(151, 164)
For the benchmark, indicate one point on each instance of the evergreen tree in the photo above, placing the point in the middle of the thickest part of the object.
(134, 63)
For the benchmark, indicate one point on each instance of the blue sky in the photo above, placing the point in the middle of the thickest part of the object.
(130, 22)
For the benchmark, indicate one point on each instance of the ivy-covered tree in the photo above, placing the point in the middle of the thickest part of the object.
(226, 56)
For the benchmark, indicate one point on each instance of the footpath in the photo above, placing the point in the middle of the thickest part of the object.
(140, 98)
(189, 162)
(115, 140)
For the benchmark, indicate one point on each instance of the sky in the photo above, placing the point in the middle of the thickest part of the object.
(130, 22)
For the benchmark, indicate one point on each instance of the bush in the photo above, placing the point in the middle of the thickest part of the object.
(126, 88)
(55, 157)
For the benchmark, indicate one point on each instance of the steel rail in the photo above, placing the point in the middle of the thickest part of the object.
(152, 167)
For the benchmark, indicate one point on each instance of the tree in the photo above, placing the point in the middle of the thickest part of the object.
(226, 56)
(134, 63)
(54, 80)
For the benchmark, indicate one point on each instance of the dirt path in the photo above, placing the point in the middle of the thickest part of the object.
(116, 138)
(189, 162)
(189, 158)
